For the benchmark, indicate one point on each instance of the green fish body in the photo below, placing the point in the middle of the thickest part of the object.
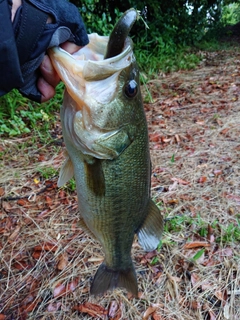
(106, 137)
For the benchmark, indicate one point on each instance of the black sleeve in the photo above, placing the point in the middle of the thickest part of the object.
(10, 71)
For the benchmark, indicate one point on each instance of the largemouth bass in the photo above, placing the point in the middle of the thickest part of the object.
(105, 132)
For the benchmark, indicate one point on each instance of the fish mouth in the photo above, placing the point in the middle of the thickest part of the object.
(89, 62)
(82, 71)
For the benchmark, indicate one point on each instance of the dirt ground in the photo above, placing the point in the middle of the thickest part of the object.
(47, 262)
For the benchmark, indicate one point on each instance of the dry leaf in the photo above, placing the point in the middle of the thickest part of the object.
(46, 247)
(2, 316)
(14, 235)
(195, 305)
(114, 312)
(21, 265)
(63, 261)
(149, 311)
(2, 191)
(221, 295)
(156, 316)
(37, 254)
(59, 290)
(212, 315)
(180, 181)
(93, 310)
(22, 202)
(53, 307)
(196, 244)
(202, 179)
(71, 286)
(224, 131)
(49, 201)
(195, 279)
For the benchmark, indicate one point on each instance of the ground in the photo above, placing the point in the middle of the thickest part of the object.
(47, 261)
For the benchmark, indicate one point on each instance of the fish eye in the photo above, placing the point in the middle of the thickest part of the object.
(131, 89)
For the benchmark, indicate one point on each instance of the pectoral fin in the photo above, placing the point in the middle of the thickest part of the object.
(95, 176)
(66, 172)
(150, 232)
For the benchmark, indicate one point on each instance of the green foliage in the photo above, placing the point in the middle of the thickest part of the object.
(198, 254)
(19, 115)
(180, 21)
(223, 234)
(231, 233)
(70, 185)
(230, 14)
(48, 172)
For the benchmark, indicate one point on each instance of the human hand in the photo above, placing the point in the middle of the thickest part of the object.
(69, 27)
(49, 78)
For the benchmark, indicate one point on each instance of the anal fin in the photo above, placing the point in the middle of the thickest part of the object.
(66, 172)
(150, 233)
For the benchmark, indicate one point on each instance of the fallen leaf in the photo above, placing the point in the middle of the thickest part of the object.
(180, 181)
(212, 315)
(200, 122)
(71, 286)
(221, 295)
(196, 244)
(195, 279)
(154, 137)
(46, 247)
(14, 235)
(114, 312)
(2, 316)
(217, 172)
(224, 131)
(53, 307)
(150, 254)
(49, 201)
(22, 202)
(202, 179)
(21, 265)
(149, 312)
(63, 261)
(59, 290)
(36, 254)
(32, 305)
(195, 305)
(156, 316)
(93, 310)
(2, 191)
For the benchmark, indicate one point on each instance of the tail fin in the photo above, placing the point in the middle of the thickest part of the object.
(108, 279)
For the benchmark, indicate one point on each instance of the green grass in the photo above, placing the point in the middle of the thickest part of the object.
(170, 59)
(19, 115)
(224, 234)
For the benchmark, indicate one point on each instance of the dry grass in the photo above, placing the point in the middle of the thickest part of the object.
(47, 262)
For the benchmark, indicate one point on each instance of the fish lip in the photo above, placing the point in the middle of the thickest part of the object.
(125, 56)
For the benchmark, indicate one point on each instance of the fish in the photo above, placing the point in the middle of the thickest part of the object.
(106, 137)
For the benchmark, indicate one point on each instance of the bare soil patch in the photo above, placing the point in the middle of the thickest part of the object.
(47, 262)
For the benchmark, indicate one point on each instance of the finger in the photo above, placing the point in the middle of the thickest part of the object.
(70, 47)
(47, 91)
(48, 72)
